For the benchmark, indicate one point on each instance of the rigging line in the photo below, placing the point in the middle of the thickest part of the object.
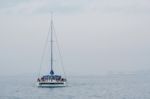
(43, 53)
(61, 58)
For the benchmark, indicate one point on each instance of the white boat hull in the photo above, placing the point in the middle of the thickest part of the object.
(51, 84)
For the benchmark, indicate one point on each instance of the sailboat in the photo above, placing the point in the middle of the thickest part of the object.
(51, 79)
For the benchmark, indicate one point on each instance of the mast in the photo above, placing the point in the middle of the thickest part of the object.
(51, 43)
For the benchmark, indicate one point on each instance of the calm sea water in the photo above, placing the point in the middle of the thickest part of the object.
(94, 87)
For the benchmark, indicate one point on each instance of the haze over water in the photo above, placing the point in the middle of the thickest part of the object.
(96, 37)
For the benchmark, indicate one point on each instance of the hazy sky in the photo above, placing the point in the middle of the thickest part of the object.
(96, 36)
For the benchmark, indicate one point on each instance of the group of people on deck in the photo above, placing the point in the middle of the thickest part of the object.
(55, 78)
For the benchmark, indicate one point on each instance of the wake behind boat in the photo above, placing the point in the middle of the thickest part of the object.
(51, 80)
